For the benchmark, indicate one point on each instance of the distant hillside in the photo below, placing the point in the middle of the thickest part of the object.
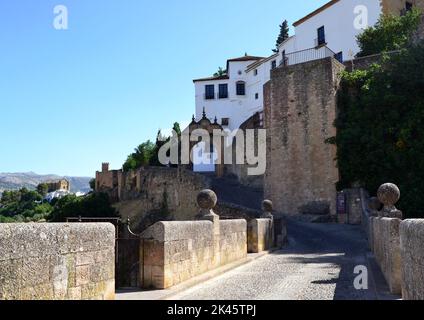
(30, 180)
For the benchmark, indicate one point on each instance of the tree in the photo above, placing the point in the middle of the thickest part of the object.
(221, 72)
(141, 156)
(390, 33)
(283, 36)
(94, 205)
(93, 184)
(43, 189)
(177, 128)
(380, 132)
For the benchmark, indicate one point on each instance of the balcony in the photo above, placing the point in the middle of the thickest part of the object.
(307, 55)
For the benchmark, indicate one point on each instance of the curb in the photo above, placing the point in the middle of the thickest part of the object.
(167, 294)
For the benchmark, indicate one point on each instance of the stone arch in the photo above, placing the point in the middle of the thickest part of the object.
(209, 127)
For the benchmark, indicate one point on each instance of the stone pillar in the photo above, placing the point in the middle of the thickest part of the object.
(274, 240)
(207, 200)
(389, 194)
(267, 210)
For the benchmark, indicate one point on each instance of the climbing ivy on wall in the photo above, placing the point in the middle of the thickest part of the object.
(380, 127)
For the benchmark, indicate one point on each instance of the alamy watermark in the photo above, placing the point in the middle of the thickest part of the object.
(360, 21)
(60, 20)
(361, 280)
(200, 147)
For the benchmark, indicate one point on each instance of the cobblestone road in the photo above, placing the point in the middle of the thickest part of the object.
(318, 264)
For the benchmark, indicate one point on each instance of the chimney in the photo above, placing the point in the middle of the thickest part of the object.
(105, 166)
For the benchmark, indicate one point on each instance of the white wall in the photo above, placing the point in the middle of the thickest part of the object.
(340, 30)
(237, 108)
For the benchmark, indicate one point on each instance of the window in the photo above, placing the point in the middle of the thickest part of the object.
(209, 92)
(225, 121)
(321, 36)
(223, 91)
(255, 72)
(241, 88)
(408, 6)
(256, 96)
(339, 56)
(274, 64)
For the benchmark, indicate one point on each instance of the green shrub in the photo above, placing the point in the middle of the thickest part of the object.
(380, 127)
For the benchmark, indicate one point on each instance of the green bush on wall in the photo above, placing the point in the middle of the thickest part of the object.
(380, 127)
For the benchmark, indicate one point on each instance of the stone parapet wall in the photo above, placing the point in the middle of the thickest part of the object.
(398, 249)
(173, 252)
(260, 235)
(232, 241)
(233, 211)
(412, 255)
(386, 248)
(57, 261)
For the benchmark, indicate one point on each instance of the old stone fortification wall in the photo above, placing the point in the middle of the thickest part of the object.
(174, 252)
(260, 235)
(300, 109)
(152, 194)
(57, 261)
(412, 253)
(398, 248)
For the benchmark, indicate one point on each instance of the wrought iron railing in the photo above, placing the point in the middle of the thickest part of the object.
(306, 55)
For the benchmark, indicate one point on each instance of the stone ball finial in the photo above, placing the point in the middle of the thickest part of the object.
(267, 206)
(207, 199)
(388, 194)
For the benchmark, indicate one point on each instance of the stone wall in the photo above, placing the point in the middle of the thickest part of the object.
(300, 109)
(260, 235)
(396, 6)
(412, 253)
(152, 194)
(174, 252)
(386, 248)
(232, 241)
(57, 261)
(233, 211)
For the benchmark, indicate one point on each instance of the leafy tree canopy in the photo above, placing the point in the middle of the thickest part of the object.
(146, 154)
(389, 34)
(380, 127)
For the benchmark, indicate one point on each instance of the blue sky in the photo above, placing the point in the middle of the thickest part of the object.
(74, 98)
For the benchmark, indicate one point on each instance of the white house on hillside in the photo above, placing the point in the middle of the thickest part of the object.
(231, 98)
(329, 31)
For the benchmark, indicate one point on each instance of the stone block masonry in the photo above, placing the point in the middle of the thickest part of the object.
(149, 195)
(386, 247)
(412, 253)
(260, 235)
(57, 261)
(173, 252)
(300, 109)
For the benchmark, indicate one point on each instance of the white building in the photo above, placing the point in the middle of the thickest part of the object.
(329, 31)
(232, 98)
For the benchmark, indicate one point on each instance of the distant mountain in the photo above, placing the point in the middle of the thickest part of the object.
(30, 180)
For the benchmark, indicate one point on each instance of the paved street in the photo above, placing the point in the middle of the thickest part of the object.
(318, 263)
